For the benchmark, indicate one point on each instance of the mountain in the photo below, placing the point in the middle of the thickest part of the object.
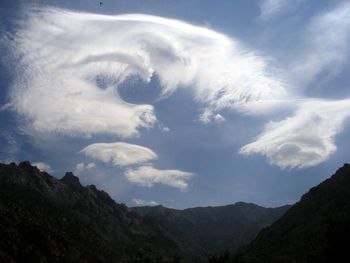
(205, 230)
(43, 219)
(316, 229)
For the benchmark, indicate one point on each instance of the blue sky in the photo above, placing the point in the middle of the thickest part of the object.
(181, 103)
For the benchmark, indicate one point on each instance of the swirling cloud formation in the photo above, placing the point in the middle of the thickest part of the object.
(72, 63)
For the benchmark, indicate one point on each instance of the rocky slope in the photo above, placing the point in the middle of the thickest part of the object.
(43, 219)
(316, 229)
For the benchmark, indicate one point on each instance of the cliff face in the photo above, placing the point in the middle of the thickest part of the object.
(43, 219)
(316, 229)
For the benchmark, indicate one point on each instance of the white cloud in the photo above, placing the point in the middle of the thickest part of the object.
(307, 138)
(125, 154)
(147, 176)
(44, 167)
(81, 167)
(273, 8)
(304, 140)
(141, 202)
(218, 118)
(325, 45)
(164, 128)
(119, 153)
(68, 83)
(207, 116)
(72, 63)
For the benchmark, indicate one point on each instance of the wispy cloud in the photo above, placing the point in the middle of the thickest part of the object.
(273, 8)
(119, 153)
(304, 140)
(307, 138)
(325, 45)
(82, 167)
(141, 202)
(44, 167)
(147, 176)
(208, 116)
(68, 83)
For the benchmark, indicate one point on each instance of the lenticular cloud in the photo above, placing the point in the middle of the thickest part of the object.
(65, 54)
(305, 139)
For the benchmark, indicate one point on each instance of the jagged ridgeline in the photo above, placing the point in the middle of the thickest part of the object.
(43, 219)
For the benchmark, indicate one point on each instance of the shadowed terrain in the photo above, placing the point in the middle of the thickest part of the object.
(316, 229)
(43, 219)
(206, 230)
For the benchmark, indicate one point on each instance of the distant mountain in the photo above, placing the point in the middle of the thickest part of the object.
(205, 230)
(43, 219)
(316, 229)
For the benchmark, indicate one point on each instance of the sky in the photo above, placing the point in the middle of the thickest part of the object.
(180, 103)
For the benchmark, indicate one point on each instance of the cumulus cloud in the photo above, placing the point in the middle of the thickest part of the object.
(72, 64)
(304, 140)
(119, 153)
(147, 176)
(326, 49)
(44, 167)
(141, 202)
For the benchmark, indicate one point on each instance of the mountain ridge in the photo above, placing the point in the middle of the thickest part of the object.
(315, 229)
(45, 219)
(206, 230)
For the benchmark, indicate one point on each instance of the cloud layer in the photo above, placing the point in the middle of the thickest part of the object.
(304, 140)
(141, 202)
(119, 153)
(326, 49)
(125, 155)
(147, 176)
(72, 63)
(307, 138)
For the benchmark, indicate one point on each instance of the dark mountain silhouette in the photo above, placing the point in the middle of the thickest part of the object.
(43, 219)
(204, 230)
(316, 229)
